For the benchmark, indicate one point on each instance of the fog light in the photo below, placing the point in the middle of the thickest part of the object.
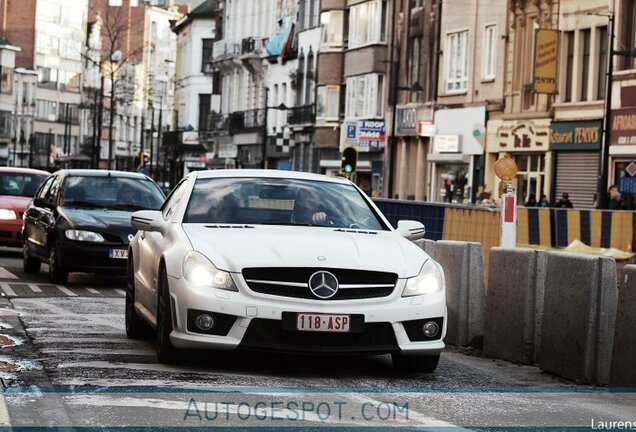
(204, 322)
(430, 329)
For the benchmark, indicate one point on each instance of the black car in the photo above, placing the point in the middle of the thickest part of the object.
(79, 221)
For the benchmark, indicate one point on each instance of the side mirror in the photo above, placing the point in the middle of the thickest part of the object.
(148, 220)
(42, 202)
(412, 230)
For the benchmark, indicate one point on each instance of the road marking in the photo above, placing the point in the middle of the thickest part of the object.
(7, 289)
(34, 288)
(6, 274)
(66, 291)
(4, 413)
(121, 292)
(92, 290)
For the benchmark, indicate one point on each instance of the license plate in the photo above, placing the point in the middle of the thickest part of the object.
(118, 253)
(323, 323)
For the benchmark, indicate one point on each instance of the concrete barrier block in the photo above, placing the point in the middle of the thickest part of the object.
(463, 269)
(514, 304)
(623, 371)
(579, 316)
(427, 246)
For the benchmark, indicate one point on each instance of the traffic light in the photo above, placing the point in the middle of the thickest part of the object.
(143, 160)
(349, 159)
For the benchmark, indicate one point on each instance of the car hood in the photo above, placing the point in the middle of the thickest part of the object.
(102, 219)
(232, 249)
(17, 203)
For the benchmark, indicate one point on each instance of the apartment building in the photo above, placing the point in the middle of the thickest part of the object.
(523, 130)
(470, 93)
(12, 125)
(414, 44)
(50, 35)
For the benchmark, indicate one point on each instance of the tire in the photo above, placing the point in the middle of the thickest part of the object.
(57, 274)
(166, 352)
(415, 363)
(31, 265)
(136, 328)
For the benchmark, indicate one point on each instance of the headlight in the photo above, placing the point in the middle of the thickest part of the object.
(429, 281)
(198, 270)
(84, 236)
(7, 214)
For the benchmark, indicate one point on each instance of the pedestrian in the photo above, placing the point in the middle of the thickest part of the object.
(543, 202)
(564, 201)
(532, 201)
(615, 202)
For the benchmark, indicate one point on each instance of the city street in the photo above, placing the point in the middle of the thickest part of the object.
(65, 360)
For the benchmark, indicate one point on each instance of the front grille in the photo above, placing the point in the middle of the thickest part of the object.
(294, 282)
(268, 335)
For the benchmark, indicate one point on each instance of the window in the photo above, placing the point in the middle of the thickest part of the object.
(308, 12)
(365, 96)
(332, 29)
(367, 23)
(72, 113)
(47, 78)
(46, 110)
(206, 54)
(204, 110)
(415, 70)
(328, 103)
(627, 32)
(569, 65)
(69, 81)
(585, 64)
(6, 79)
(5, 124)
(489, 64)
(457, 62)
(602, 62)
(300, 79)
(309, 78)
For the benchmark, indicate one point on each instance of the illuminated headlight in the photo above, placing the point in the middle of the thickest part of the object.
(7, 214)
(429, 281)
(198, 270)
(84, 236)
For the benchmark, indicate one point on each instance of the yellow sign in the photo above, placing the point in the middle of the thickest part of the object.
(506, 168)
(545, 61)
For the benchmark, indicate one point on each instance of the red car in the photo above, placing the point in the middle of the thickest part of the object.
(17, 187)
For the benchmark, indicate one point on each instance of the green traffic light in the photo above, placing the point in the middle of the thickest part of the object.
(348, 169)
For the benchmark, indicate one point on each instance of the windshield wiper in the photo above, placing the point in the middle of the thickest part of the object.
(84, 204)
(127, 207)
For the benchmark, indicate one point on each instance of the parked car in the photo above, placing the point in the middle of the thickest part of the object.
(17, 187)
(282, 261)
(79, 221)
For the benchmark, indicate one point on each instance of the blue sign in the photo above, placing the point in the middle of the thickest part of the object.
(371, 134)
(351, 131)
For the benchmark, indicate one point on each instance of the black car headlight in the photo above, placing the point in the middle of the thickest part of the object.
(198, 270)
(429, 281)
(84, 236)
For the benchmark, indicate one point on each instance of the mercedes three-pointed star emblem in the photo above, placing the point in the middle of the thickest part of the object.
(323, 284)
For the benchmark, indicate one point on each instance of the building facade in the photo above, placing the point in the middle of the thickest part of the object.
(12, 109)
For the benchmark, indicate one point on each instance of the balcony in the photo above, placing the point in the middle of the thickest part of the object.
(217, 123)
(302, 115)
(245, 121)
(225, 49)
(253, 46)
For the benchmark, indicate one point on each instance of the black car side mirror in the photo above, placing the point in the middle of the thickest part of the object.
(42, 202)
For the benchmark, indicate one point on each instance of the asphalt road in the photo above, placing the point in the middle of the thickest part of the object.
(65, 361)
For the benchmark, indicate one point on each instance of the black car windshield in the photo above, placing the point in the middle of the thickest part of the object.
(274, 201)
(18, 184)
(112, 192)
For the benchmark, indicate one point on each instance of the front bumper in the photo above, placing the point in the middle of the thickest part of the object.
(255, 321)
(90, 257)
(11, 232)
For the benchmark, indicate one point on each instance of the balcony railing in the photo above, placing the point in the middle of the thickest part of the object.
(254, 46)
(217, 123)
(224, 49)
(241, 121)
(305, 114)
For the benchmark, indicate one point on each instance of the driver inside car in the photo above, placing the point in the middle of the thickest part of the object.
(309, 208)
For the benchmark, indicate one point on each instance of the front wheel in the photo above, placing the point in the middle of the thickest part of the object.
(57, 273)
(415, 363)
(166, 352)
(30, 264)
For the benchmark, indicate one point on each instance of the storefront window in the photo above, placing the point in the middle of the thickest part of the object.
(530, 176)
(625, 177)
(452, 183)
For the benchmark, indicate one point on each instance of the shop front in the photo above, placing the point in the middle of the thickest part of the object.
(528, 143)
(622, 151)
(576, 156)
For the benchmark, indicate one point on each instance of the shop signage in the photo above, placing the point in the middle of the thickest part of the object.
(190, 138)
(521, 137)
(446, 144)
(576, 135)
(545, 61)
(228, 151)
(426, 128)
(371, 134)
(623, 127)
(406, 120)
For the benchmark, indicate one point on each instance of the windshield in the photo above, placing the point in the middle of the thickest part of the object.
(119, 193)
(280, 202)
(15, 184)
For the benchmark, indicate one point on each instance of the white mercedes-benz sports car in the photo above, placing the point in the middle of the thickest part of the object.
(283, 261)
